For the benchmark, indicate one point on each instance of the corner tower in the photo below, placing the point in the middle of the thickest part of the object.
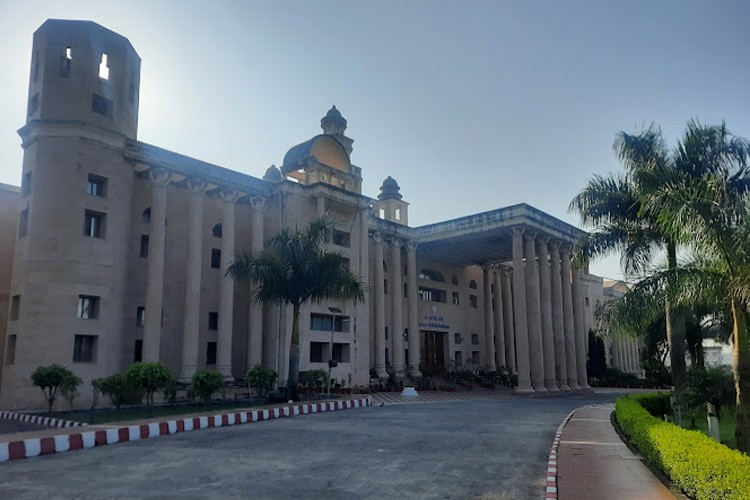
(70, 263)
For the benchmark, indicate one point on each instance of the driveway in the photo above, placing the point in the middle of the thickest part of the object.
(491, 449)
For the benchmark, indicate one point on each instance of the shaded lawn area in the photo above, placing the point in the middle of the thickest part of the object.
(101, 416)
(727, 424)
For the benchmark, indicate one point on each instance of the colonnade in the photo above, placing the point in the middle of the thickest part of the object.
(152, 330)
(625, 354)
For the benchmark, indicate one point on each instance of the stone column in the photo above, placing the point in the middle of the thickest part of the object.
(379, 308)
(519, 314)
(157, 236)
(510, 343)
(321, 205)
(226, 289)
(255, 311)
(362, 328)
(191, 321)
(581, 334)
(499, 320)
(638, 367)
(619, 363)
(558, 321)
(545, 296)
(397, 304)
(631, 360)
(533, 314)
(570, 332)
(413, 301)
(489, 331)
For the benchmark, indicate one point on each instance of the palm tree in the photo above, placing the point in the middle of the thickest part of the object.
(293, 269)
(625, 222)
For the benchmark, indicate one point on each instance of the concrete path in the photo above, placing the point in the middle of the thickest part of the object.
(593, 462)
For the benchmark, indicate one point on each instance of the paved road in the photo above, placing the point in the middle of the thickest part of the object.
(8, 426)
(488, 449)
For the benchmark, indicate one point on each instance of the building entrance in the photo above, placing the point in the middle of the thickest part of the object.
(433, 353)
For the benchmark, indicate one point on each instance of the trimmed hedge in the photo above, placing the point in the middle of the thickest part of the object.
(701, 467)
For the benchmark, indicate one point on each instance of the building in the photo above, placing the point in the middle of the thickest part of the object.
(120, 250)
(623, 354)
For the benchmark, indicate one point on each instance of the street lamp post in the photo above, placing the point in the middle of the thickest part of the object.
(331, 362)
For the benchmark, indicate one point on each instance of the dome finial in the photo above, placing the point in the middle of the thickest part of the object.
(333, 123)
(390, 190)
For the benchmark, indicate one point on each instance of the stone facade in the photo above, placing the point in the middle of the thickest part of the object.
(122, 247)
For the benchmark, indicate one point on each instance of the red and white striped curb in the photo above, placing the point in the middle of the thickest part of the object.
(37, 419)
(68, 442)
(551, 489)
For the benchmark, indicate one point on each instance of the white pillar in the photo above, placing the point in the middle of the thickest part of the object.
(519, 314)
(489, 331)
(226, 288)
(499, 320)
(191, 321)
(533, 314)
(558, 321)
(397, 304)
(570, 335)
(362, 328)
(255, 310)
(155, 271)
(545, 296)
(413, 301)
(580, 329)
(510, 343)
(379, 289)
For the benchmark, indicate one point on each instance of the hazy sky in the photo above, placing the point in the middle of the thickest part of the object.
(469, 105)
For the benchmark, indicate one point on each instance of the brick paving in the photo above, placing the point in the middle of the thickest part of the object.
(593, 463)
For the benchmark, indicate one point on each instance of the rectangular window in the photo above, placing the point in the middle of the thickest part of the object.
(138, 351)
(455, 298)
(322, 322)
(15, 307)
(587, 302)
(84, 349)
(340, 238)
(23, 223)
(88, 307)
(473, 301)
(101, 105)
(140, 317)
(318, 352)
(213, 320)
(458, 356)
(475, 339)
(385, 287)
(93, 224)
(386, 333)
(10, 351)
(144, 246)
(211, 353)
(431, 295)
(397, 214)
(406, 290)
(341, 352)
(67, 57)
(96, 186)
(26, 184)
(457, 338)
(215, 258)
(474, 357)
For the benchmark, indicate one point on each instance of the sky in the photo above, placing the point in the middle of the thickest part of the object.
(469, 105)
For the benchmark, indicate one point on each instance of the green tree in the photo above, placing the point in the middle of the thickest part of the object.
(293, 269)
(205, 383)
(69, 389)
(119, 389)
(51, 379)
(262, 378)
(150, 378)
(624, 221)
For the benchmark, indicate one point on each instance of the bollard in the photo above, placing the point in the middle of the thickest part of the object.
(713, 423)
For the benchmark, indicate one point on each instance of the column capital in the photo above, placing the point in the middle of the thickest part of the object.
(554, 244)
(257, 203)
(412, 245)
(530, 235)
(377, 237)
(517, 230)
(543, 239)
(506, 271)
(197, 185)
(565, 247)
(396, 242)
(160, 175)
(230, 195)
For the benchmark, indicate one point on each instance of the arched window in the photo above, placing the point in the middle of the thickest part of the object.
(217, 231)
(454, 280)
(431, 275)
(146, 217)
(473, 284)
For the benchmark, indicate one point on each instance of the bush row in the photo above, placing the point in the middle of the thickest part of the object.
(701, 467)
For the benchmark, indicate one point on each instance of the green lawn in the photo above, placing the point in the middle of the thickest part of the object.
(726, 427)
(104, 416)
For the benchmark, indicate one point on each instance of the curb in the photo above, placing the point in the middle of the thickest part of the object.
(36, 419)
(551, 489)
(68, 442)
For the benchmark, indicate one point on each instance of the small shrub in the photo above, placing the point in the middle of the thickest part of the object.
(205, 383)
(50, 380)
(316, 378)
(151, 378)
(69, 389)
(262, 378)
(701, 467)
(119, 389)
